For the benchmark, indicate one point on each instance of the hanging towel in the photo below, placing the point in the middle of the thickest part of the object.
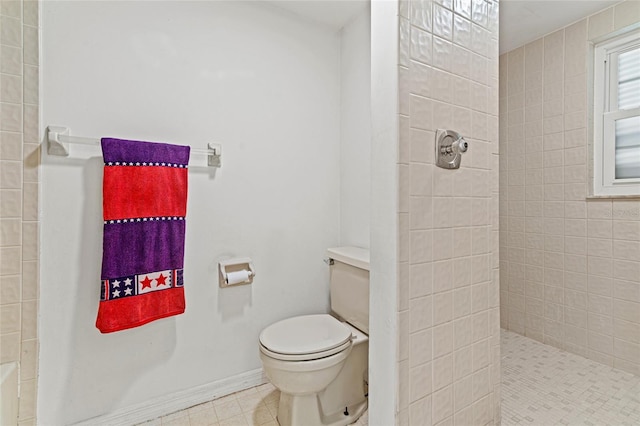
(144, 207)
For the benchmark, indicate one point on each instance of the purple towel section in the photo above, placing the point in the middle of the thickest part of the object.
(119, 150)
(161, 242)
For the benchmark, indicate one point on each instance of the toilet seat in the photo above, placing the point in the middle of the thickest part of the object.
(304, 357)
(305, 338)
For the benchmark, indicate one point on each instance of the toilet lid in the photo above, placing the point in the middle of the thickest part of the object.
(305, 334)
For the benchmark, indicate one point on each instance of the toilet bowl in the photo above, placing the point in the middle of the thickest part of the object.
(319, 362)
(319, 365)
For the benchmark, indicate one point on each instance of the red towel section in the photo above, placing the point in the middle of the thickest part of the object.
(140, 191)
(129, 312)
(144, 206)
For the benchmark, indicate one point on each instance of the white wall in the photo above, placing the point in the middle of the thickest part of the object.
(383, 341)
(355, 130)
(261, 82)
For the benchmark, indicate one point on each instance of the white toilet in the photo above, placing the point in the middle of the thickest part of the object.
(319, 362)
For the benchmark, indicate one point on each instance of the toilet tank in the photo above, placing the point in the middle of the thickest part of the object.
(350, 285)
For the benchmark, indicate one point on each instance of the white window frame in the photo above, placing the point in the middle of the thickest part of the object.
(605, 93)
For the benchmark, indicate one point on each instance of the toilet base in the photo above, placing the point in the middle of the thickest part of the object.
(296, 410)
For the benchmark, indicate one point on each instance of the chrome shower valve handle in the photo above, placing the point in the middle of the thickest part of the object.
(450, 146)
(460, 145)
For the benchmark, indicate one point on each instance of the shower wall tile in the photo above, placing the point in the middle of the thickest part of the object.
(11, 87)
(570, 265)
(448, 219)
(10, 234)
(10, 260)
(442, 22)
(9, 289)
(625, 14)
(10, 146)
(11, 115)
(10, 31)
(28, 359)
(9, 347)
(11, 175)
(601, 23)
(421, 44)
(19, 163)
(11, 8)
(10, 316)
(10, 60)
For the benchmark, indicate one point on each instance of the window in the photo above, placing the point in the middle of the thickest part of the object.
(617, 116)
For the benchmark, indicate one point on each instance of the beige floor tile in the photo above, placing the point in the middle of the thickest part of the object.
(176, 421)
(228, 410)
(273, 408)
(203, 417)
(250, 403)
(273, 396)
(259, 416)
(235, 421)
(247, 392)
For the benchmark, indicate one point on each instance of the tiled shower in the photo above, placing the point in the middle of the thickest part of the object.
(569, 263)
(19, 195)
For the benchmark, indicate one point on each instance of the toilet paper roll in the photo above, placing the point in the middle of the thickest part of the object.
(237, 277)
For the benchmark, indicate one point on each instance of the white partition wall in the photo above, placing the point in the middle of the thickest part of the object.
(448, 305)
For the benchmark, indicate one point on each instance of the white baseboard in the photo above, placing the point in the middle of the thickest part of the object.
(168, 404)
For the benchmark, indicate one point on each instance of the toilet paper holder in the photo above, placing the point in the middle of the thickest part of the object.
(230, 270)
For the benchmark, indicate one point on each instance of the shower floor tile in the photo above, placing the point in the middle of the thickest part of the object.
(542, 385)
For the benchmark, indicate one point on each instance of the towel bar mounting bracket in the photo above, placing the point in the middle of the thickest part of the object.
(54, 145)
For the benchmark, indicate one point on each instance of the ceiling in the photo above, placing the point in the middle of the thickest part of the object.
(334, 13)
(522, 21)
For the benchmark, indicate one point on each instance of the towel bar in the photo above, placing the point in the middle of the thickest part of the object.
(58, 140)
